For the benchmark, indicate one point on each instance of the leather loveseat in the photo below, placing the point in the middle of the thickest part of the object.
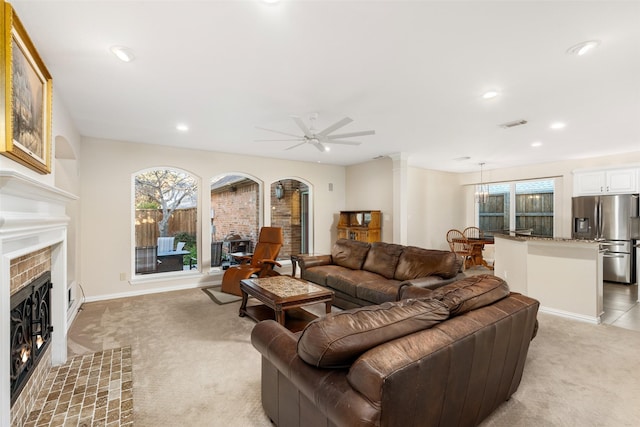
(363, 273)
(447, 358)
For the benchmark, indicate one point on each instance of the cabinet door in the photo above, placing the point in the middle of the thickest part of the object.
(622, 181)
(585, 183)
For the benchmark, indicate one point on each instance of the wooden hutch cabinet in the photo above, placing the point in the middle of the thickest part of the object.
(360, 225)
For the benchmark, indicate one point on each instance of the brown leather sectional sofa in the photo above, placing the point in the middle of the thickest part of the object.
(449, 357)
(363, 273)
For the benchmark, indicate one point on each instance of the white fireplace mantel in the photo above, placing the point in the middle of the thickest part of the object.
(32, 217)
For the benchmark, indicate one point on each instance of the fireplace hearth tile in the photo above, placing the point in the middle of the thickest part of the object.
(90, 390)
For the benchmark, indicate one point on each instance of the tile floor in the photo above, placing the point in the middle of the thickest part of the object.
(621, 306)
(90, 390)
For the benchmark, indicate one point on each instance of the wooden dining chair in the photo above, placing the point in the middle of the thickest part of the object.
(459, 245)
(473, 233)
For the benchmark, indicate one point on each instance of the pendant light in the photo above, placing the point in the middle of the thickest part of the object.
(482, 190)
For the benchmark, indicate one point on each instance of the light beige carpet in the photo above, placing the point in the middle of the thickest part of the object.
(194, 365)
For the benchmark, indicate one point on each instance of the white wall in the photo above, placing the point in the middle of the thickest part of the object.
(370, 186)
(436, 204)
(107, 168)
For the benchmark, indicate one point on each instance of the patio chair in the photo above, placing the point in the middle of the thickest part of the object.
(165, 245)
(261, 263)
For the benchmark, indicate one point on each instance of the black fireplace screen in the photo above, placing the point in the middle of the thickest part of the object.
(30, 330)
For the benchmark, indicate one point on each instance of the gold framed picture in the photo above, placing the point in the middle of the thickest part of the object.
(27, 101)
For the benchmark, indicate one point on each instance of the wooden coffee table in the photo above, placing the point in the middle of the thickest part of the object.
(283, 293)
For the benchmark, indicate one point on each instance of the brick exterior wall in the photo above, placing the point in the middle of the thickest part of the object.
(237, 212)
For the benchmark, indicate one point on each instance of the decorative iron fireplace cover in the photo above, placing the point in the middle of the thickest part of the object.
(30, 330)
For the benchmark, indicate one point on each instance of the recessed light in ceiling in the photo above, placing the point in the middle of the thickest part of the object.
(557, 125)
(490, 94)
(182, 127)
(536, 144)
(270, 1)
(583, 48)
(124, 54)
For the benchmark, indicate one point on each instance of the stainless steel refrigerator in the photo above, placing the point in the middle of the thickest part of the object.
(607, 219)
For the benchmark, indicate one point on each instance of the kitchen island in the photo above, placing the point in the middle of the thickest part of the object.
(565, 275)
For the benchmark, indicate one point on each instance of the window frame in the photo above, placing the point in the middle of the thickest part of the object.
(135, 278)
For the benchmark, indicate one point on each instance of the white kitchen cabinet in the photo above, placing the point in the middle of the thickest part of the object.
(611, 181)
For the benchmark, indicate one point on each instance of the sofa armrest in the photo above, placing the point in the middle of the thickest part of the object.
(327, 388)
(308, 261)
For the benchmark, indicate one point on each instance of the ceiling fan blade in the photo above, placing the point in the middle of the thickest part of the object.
(296, 145)
(267, 140)
(319, 146)
(343, 142)
(277, 131)
(335, 126)
(302, 126)
(349, 135)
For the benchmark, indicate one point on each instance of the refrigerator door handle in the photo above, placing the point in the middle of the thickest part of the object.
(599, 233)
(610, 255)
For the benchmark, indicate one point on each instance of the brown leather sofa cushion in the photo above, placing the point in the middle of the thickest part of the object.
(382, 258)
(418, 262)
(349, 253)
(338, 339)
(471, 293)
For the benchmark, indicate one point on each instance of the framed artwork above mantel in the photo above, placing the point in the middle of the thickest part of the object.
(26, 104)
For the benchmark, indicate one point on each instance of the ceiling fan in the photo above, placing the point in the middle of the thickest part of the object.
(318, 139)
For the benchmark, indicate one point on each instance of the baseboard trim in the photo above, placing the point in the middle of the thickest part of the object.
(152, 291)
(573, 316)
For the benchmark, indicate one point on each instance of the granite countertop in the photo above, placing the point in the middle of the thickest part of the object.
(525, 238)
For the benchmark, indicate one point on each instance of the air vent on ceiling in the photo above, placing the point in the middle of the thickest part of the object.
(513, 124)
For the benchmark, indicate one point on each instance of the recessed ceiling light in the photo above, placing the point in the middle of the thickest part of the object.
(182, 127)
(536, 144)
(270, 1)
(124, 54)
(583, 48)
(327, 148)
(558, 125)
(490, 94)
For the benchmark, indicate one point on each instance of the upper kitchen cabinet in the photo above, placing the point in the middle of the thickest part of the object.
(609, 181)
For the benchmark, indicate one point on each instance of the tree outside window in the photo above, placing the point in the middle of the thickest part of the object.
(165, 206)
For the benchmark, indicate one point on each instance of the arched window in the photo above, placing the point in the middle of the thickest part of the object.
(165, 221)
(236, 216)
(290, 209)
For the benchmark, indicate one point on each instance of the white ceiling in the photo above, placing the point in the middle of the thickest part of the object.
(412, 70)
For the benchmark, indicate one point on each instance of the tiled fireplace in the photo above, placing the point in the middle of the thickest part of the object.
(33, 242)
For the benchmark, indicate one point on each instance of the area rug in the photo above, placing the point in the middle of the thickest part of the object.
(90, 389)
(219, 297)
